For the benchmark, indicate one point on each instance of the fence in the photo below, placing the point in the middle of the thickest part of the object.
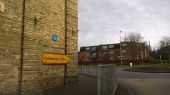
(87, 69)
(106, 77)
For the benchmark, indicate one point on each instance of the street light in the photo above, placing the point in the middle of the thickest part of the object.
(120, 50)
(160, 59)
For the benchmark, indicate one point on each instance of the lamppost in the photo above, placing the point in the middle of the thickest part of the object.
(160, 59)
(120, 49)
(169, 58)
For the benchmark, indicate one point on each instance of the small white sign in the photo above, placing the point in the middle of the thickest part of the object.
(120, 56)
(2, 7)
(131, 65)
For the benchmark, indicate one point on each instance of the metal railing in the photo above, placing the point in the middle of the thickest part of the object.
(90, 70)
(106, 77)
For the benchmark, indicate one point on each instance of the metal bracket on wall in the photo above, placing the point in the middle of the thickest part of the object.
(36, 20)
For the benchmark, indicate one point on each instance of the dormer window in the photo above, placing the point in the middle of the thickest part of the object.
(111, 46)
(87, 48)
(104, 47)
(94, 48)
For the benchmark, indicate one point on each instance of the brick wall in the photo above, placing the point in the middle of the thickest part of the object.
(43, 18)
(10, 29)
(131, 52)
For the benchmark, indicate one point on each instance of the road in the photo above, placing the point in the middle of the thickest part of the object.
(145, 83)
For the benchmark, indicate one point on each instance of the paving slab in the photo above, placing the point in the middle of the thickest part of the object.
(85, 86)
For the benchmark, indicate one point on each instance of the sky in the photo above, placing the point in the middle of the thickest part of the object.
(100, 21)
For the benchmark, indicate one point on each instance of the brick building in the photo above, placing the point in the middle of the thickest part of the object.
(131, 52)
(43, 18)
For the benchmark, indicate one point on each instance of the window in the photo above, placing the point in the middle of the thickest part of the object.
(124, 44)
(111, 52)
(123, 51)
(104, 47)
(93, 48)
(139, 45)
(93, 54)
(87, 48)
(105, 53)
(111, 46)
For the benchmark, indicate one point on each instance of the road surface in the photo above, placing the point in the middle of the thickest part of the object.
(145, 83)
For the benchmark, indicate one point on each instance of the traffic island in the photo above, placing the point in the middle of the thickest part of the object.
(150, 68)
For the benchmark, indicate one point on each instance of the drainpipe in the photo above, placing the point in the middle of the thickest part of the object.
(20, 69)
(65, 66)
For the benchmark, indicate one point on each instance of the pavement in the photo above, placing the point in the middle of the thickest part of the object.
(86, 86)
(140, 83)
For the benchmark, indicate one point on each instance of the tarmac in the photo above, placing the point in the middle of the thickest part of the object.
(140, 83)
(85, 86)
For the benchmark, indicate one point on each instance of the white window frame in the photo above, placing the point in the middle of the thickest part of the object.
(124, 44)
(104, 47)
(87, 48)
(111, 46)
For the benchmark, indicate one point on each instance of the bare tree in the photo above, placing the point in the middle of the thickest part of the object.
(165, 41)
(133, 37)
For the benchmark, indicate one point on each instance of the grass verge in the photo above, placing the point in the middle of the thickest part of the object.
(151, 68)
(121, 90)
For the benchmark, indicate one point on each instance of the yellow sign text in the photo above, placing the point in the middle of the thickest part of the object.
(55, 59)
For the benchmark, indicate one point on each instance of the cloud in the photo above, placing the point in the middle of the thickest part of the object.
(101, 20)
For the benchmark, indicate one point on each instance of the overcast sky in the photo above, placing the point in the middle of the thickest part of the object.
(100, 21)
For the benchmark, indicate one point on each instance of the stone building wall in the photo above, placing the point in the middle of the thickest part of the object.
(43, 19)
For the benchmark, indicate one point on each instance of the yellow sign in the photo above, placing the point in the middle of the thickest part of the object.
(55, 59)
